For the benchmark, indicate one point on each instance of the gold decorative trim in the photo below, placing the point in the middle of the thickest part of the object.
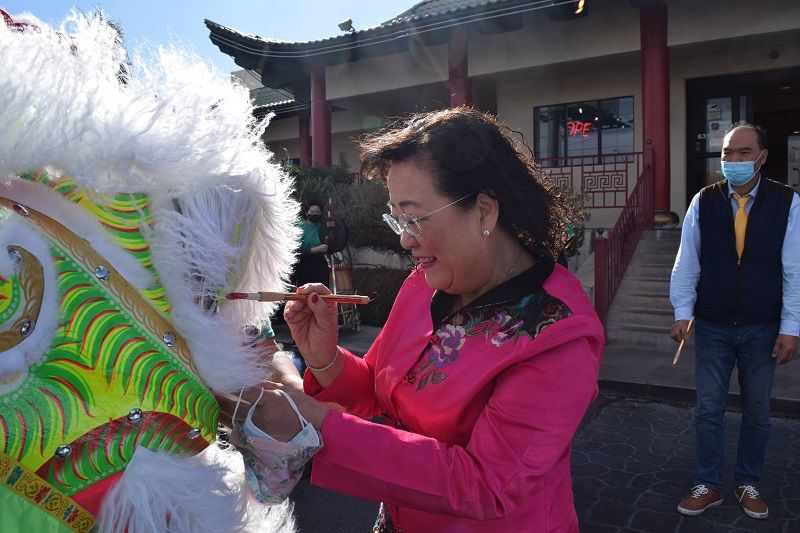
(31, 280)
(39, 493)
(125, 293)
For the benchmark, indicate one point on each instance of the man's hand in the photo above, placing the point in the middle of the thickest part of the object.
(785, 348)
(680, 331)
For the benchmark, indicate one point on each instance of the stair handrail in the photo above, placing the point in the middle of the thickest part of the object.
(613, 254)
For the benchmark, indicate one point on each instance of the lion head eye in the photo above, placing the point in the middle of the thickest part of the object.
(21, 295)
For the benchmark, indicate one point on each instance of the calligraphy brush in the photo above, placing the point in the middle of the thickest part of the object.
(290, 296)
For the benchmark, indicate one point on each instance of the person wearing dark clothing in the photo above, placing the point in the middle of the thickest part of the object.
(738, 272)
(312, 266)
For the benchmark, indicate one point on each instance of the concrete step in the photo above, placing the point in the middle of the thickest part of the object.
(651, 337)
(654, 258)
(645, 285)
(660, 351)
(662, 235)
(627, 300)
(656, 318)
(648, 270)
(641, 315)
(658, 246)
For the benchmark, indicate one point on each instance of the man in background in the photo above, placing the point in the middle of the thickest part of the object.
(738, 273)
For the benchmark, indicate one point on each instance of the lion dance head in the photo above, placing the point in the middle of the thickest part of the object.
(134, 191)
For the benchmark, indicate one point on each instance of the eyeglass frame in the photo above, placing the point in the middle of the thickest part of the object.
(404, 222)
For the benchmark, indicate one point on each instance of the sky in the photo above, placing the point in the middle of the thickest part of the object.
(160, 22)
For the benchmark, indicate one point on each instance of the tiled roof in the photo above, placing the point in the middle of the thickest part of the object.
(421, 12)
(268, 97)
(431, 8)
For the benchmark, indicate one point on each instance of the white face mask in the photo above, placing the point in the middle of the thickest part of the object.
(272, 467)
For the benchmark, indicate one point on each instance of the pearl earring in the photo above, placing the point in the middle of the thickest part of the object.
(486, 232)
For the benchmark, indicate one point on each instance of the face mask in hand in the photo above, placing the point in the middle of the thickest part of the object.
(740, 172)
(272, 467)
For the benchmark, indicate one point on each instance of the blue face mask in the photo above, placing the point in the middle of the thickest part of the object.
(740, 172)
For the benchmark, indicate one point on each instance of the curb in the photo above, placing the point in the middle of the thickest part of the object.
(780, 407)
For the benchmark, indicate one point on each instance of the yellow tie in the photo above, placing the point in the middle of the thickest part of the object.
(740, 222)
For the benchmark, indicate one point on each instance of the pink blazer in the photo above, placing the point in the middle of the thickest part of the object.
(480, 412)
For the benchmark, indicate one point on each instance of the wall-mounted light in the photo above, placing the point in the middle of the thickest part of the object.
(580, 6)
(347, 25)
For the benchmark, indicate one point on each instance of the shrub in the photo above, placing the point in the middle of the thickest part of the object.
(576, 219)
(359, 203)
(381, 285)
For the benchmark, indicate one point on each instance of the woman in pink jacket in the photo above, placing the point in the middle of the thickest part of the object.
(489, 357)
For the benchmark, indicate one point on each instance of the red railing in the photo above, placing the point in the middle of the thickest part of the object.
(603, 179)
(613, 254)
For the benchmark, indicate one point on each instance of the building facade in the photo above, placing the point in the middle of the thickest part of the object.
(589, 85)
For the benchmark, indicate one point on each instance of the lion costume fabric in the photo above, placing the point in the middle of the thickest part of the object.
(133, 193)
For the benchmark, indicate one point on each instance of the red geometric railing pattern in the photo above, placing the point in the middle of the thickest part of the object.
(603, 179)
(612, 254)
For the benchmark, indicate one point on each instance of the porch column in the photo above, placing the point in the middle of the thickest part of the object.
(655, 101)
(457, 60)
(304, 138)
(320, 119)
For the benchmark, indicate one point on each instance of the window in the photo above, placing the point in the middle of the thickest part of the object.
(293, 162)
(583, 130)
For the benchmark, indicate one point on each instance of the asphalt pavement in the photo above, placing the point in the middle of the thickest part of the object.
(632, 459)
(632, 462)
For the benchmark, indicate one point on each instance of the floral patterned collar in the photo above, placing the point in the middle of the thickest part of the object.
(519, 306)
(524, 283)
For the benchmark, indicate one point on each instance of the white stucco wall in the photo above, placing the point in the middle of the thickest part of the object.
(693, 21)
(420, 65)
(612, 27)
(282, 128)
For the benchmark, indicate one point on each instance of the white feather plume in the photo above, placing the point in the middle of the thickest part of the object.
(204, 493)
(179, 131)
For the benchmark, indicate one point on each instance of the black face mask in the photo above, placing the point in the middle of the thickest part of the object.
(314, 218)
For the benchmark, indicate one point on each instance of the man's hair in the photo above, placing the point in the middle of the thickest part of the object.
(761, 133)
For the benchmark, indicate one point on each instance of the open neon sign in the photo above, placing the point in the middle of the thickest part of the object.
(577, 127)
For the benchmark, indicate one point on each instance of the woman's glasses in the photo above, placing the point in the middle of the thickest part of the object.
(411, 224)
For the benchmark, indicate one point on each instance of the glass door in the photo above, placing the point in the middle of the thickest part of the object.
(712, 108)
(793, 158)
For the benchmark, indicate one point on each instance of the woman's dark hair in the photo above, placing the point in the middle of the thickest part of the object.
(468, 151)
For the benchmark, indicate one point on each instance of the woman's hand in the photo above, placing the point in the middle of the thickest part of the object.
(314, 326)
(273, 415)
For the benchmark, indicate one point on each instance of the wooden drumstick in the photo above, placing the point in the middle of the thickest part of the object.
(680, 346)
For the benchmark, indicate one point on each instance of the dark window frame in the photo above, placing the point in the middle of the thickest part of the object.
(561, 111)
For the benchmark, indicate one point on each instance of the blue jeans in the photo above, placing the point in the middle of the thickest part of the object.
(717, 348)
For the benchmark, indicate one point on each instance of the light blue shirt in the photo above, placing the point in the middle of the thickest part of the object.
(686, 272)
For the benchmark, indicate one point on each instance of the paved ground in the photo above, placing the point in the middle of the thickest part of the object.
(633, 460)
